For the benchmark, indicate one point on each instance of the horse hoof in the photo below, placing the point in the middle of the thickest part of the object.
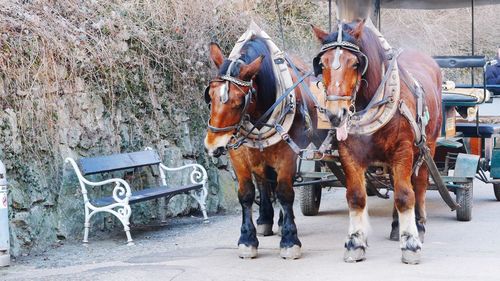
(410, 257)
(291, 253)
(394, 236)
(421, 235)
(264, 230)
(355, 255)
(247, 252)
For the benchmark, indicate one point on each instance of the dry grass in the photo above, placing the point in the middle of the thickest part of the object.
(153, 53)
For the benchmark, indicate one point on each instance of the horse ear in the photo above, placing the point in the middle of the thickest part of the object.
(358, 29)
(216, 54)
(320, 34)
(247, 72)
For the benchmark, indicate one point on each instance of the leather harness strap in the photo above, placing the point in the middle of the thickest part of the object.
(418, 124)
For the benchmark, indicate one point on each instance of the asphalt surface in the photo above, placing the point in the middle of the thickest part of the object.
(490, 109)
(187, 249)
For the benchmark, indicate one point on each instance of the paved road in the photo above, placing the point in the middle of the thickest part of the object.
(490, 109)
(189, 250)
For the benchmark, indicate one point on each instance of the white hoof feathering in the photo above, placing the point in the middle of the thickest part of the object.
(264, 230)
(355, 247)
(247, 252)
(291, 253)
(411, 248)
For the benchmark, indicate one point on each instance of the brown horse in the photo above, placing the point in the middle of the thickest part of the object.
(351, 73)
(246, 88)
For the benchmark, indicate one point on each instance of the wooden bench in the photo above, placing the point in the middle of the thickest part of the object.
(122, 196)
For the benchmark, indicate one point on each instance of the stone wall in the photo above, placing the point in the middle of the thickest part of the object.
(47, 205)
(82, 78)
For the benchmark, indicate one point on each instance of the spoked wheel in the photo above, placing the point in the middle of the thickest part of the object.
(310, 196)
(464, 198)
(496, 189)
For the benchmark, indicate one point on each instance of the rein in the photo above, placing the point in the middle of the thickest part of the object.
(241, 139)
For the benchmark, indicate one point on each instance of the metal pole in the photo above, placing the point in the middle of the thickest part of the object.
(281, 25)
(472, 22)
(379, 20)
(330, 16)
(4, 219)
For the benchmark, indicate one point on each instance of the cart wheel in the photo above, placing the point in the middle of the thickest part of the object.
(310, 199)
(464, 198)
(310, 196)
(496, 188)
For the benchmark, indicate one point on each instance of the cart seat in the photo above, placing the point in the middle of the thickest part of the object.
(458, 99)
(469, 130)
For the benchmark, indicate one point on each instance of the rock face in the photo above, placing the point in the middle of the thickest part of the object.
(47, 205)
(97, 79)
(84, 78)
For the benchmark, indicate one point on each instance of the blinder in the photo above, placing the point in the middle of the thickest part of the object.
(207, 95)
(337, 45)
(318, 66)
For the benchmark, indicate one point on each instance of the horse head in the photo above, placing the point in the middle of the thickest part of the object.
(342, 65)
(229, 95)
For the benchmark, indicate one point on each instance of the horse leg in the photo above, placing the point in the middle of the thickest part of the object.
(420, 184)
(266, 210)
(394, 235)
(280, 222)
(290, 243)
(356, 242)
(248, 243)
(404, 198)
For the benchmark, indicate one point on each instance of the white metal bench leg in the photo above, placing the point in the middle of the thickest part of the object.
(130, 242)
(200, 196)
(204, 211)
(123, 214)
(86, 233)
(86, 226)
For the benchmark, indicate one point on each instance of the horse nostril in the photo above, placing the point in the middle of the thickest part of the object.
(335, 120)
(218, 152)
(344, 112)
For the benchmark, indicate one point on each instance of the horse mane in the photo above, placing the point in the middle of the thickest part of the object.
(265, 79)
(370, 45)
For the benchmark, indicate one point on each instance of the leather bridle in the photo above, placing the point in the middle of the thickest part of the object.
(337, 46)
(224, 98)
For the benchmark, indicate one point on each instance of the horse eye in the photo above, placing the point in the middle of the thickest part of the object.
(356, 65)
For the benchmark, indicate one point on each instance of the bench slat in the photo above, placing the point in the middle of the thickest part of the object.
(115, 162)
(485, 130)
(148, 194)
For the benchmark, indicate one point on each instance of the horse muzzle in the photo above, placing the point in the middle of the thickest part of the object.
(337, 118)
(219, 151)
